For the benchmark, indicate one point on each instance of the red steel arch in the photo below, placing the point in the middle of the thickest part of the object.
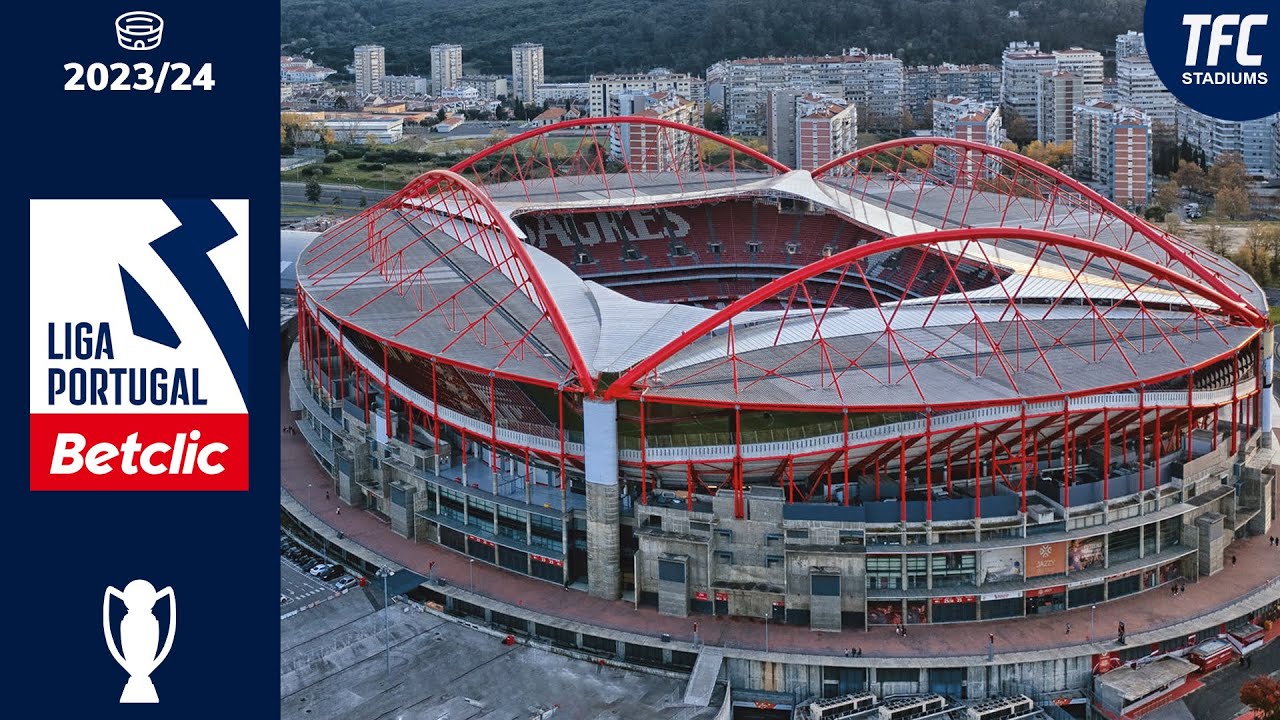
(619, 120)
(443, 186)
(1182, 253)
(627, 383)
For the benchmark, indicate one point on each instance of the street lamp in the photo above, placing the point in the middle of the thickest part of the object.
(309, 499)
(471, 565)
(1092, 610)
(766, 633)
(384, 573)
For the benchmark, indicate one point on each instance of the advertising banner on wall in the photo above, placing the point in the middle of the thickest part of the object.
(1085, 553)
(1002, 565)
(1045, 559)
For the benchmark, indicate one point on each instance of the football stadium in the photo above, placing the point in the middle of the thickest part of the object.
(930, 382)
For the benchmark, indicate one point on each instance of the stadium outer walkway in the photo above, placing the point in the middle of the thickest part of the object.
(1252, 582)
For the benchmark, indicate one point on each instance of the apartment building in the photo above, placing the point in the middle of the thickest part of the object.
(1112, 151)
(446, 67)
(873, 82)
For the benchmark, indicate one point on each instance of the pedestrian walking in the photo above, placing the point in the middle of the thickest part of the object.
(1068, 632)
(337, 511)
(326, 494)
(1233, 560)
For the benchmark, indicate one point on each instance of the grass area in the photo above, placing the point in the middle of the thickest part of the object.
(1274, 312)
(391, 178)
(306, 210)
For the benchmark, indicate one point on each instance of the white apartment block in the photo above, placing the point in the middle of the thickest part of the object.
(972, 120)
(1060, 92)
(1253, 140)
(1130, 43)
(650, 148)
(1084, 64)
(301, 70)
(926, 83)
(489, 87)
(1021, 66)
(359, 129)
(370, 67)
(400, 85)
(808, 129)
(1138, 86)
(527, 71)
(873, 82)
(446, 67)
(1112, 151)
(604, 88)
(560, 92)
(826, 128)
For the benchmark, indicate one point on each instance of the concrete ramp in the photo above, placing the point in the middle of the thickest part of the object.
(702, 681)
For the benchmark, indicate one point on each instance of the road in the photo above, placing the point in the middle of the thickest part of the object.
(296, 192)
(1220, 696)
(300, 588)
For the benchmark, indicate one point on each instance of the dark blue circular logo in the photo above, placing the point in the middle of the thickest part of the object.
(1220, 57)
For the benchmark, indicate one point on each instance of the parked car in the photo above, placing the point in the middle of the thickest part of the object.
(307, 564)
(318, 569)
(333, 573)
(346, 582)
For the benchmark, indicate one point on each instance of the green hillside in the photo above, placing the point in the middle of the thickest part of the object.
(636, 35)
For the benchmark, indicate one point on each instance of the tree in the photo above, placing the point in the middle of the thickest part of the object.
(1054, 155)
(1017, 129)
(1227, 172)
(440, 115)
(313, 190)
(1216, 239)
(1232, 201)
(713, 119)
(1262, 694)
(1164, 148)
(1189, 175)
(1167, 196)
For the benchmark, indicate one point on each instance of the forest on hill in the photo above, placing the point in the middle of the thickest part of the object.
(688, 35)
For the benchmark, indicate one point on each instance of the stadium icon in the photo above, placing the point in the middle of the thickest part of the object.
(653, 362)
(139, 30)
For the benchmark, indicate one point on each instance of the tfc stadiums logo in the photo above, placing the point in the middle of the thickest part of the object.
(139, 344)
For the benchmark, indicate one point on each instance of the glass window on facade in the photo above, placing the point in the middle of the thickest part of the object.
(1085, 596)
(451, 502)
(511, 524)
(917, 571)
(513, 560)
(1171, 533)
(546, 571)
(884, 572)
(1124, 545)
(951, 569)
(546, 533)
(481, 515)
(954, 611)
(1149, 540)
(1006, 608)
(1123, 586)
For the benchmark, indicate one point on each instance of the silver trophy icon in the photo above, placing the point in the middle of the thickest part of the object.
(139, 637)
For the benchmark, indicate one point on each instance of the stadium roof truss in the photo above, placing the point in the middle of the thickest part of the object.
(1087, 296)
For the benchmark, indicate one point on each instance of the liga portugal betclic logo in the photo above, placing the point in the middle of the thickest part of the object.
(139, 344)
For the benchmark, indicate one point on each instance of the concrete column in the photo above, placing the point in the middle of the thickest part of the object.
(600, 425)
(1268, 360)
